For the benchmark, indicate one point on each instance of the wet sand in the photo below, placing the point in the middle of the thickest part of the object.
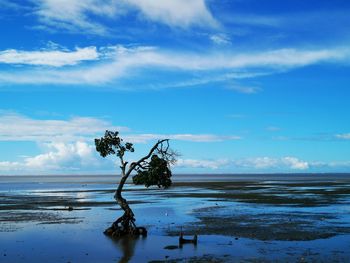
(272, 210)
(245, 221)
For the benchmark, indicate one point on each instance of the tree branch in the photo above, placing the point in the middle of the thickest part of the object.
(135, 164)
(123, 164)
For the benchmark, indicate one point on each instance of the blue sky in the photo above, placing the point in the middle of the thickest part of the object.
(238, 86)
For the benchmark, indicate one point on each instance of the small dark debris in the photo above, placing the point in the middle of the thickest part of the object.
(171, 247)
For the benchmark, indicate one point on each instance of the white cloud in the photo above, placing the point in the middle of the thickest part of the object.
(345, 136)
(4, 4)
(178, 13)
(59, 156)
(250, 164)
(338, 166)
(255, 20)
(55, 58)
(295, 163)
(77, 16)
(306, 21)
(74, 15)
(15, 127)
(192, 163)
(143, 138)
(345, 164)
(68, 144)
(284, 162)
(273, 163)
(80, 156)
(127, 60)
(220, 39)
(202, 79)
(257, 163)
(10, 166)
(245, 90)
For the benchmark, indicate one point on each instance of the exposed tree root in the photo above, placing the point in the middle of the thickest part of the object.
(125, 226)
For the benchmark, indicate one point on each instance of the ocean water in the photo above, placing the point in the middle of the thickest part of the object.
(177, 178)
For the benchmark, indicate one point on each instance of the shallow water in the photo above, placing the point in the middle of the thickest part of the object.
(236, 221)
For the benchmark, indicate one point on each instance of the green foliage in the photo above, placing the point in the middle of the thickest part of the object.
(153, 169)
(111, 143)
(157, 173)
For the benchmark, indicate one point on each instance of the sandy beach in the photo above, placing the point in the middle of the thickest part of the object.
(236, 220)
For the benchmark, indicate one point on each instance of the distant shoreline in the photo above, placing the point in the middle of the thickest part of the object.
(186, 174)
(177, 178)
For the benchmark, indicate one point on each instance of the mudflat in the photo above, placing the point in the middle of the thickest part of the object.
(235, 220)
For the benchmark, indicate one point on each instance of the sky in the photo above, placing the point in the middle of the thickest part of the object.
(238, 86)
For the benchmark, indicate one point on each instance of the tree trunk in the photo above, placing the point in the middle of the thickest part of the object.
(127, 220)
(124, 225)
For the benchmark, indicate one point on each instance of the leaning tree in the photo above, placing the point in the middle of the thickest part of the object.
(152, 169)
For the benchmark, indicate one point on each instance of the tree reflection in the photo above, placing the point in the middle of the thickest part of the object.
(127, 247)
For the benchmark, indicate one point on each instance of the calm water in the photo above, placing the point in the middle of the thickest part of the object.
(176, 178)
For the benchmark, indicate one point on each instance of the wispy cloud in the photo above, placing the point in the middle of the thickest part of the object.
(344, 136)
(15, 127)
(193, 163)
(316, 137)
(78, 16)
(245, 89)
(68, 144)
(304, 20)
(250, 164)
(274, 163)
(75, 16)
(220, 39)
(254, 20)
(54, 58)
(74, 157)
(126, 60)
(332, 164)
(12, 5)
(178, 13)
(142, 138)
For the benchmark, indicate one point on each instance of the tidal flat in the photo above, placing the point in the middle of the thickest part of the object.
(237, 219)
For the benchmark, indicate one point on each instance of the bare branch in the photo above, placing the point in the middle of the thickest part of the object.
(154, 148)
